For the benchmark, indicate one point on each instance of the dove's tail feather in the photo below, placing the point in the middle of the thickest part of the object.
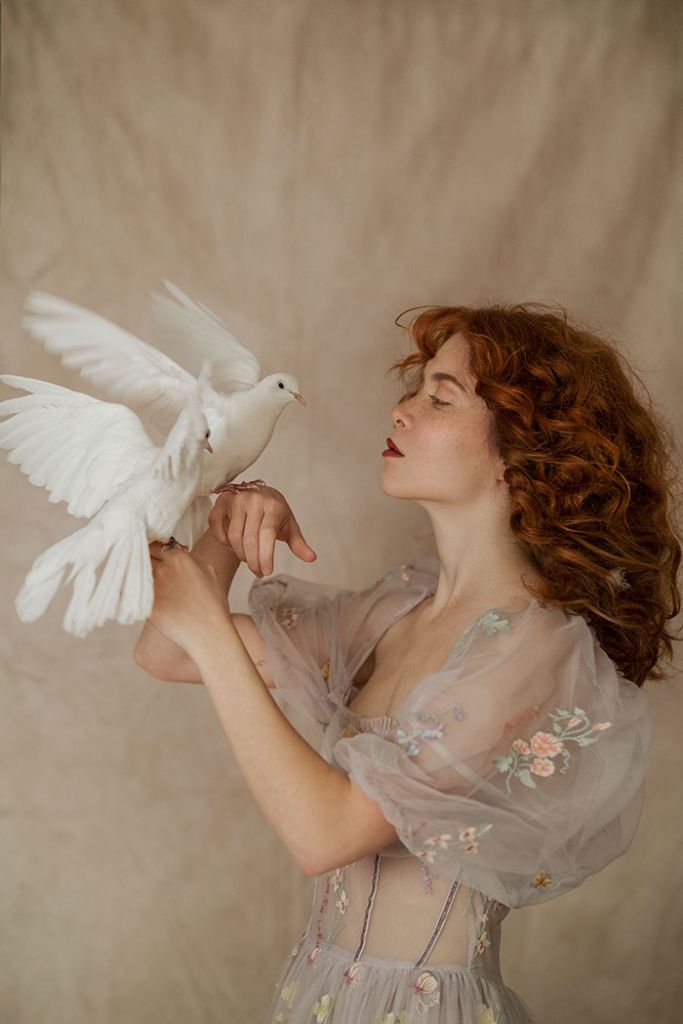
(45, 575)
(125, 591)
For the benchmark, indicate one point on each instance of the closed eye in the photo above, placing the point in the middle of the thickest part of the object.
(437, 401)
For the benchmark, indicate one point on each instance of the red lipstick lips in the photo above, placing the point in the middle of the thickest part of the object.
(392, 449)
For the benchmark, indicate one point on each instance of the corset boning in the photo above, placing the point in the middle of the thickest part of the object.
(391, 907)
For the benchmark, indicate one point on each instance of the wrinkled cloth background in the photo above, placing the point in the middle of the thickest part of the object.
(308, 170)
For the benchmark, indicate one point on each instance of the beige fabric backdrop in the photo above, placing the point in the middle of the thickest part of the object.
(309, 170)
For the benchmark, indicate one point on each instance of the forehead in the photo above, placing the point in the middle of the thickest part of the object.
(453, 351)
(452, 356)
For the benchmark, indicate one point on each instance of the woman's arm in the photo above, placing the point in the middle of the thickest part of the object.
(182, 669)
(156, 653)
(322, 817)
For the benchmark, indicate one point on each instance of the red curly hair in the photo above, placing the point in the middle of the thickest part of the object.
(591, 468)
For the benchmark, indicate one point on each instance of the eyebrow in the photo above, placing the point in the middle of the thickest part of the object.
(447, 376)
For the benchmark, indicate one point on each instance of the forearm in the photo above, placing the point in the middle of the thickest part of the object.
(300, 793)
(152, 647)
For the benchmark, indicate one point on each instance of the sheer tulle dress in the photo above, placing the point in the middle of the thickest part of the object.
(511, 774)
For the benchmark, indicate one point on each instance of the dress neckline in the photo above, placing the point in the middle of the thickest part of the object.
(422, 591)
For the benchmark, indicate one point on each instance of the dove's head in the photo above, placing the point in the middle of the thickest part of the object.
(282, 387)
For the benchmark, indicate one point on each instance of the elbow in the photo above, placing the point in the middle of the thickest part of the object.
(321, 863)
(312, 870)
(142, 662)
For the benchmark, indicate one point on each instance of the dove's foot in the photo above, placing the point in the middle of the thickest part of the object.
(173, 543)
(246, 485)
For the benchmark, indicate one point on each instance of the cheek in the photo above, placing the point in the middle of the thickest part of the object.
(470, 438)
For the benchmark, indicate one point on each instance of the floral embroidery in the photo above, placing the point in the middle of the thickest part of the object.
(425, 876)
(355, 974)
(481, 937)
(349, 730)
(427, 988)
(431, 730)
(325, 671)
(401, 572)
(394, 1017)
(288, 993)
(287, 617)
(489, 623)
(321, 1010)
(468, 840)
(487, 1015)
(541, 881)
(536, 755)
(341, 902)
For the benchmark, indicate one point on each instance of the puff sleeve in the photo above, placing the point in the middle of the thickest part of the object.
(519, 767)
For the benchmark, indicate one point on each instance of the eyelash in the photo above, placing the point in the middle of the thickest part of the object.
(437, 401)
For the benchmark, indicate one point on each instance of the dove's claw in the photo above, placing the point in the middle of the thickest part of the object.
(173, 543)
(246, 485)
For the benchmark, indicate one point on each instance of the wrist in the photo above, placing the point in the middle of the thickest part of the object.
(210, 551)
(208, 632)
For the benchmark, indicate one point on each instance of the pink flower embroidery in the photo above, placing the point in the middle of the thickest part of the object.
(522, 746)
(467, 841)
(542, 766)
(545, 744)
(355, 974)
(427, 987)
(534, 758)
(287, 617)
(465, 835)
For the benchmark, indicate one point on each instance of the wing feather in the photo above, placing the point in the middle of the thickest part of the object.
(128, 369)
(78, 447)
(193, 332)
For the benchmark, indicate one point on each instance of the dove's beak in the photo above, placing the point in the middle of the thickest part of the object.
(208, 447)
(299, 398)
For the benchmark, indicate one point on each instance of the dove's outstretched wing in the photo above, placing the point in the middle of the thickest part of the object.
(190, 331)
(116, 360)
(78, 447)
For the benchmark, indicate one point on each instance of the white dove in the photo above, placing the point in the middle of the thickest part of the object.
(241, 409)
(97, 456)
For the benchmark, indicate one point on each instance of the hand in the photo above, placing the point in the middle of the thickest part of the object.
(188, 597)
(251, 521)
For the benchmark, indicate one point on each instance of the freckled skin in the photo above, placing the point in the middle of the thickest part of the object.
(451, 467)
(449, 452)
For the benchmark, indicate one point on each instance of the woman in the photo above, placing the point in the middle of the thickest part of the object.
(483, 731)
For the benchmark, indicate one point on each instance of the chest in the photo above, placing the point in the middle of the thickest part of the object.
(404, 655)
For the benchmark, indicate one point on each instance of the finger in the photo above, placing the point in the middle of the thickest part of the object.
(267, 540)
(236, 529)
(297, 544)
(156, 550)
(252, 530)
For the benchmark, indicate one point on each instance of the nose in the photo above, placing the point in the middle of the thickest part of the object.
(399, 413)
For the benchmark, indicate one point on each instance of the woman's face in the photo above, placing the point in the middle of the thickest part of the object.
(445, 433)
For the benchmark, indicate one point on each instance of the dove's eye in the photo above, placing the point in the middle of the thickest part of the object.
(280, 384)
(207, 433)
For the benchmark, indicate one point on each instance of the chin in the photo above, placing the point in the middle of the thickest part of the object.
(392, 488)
